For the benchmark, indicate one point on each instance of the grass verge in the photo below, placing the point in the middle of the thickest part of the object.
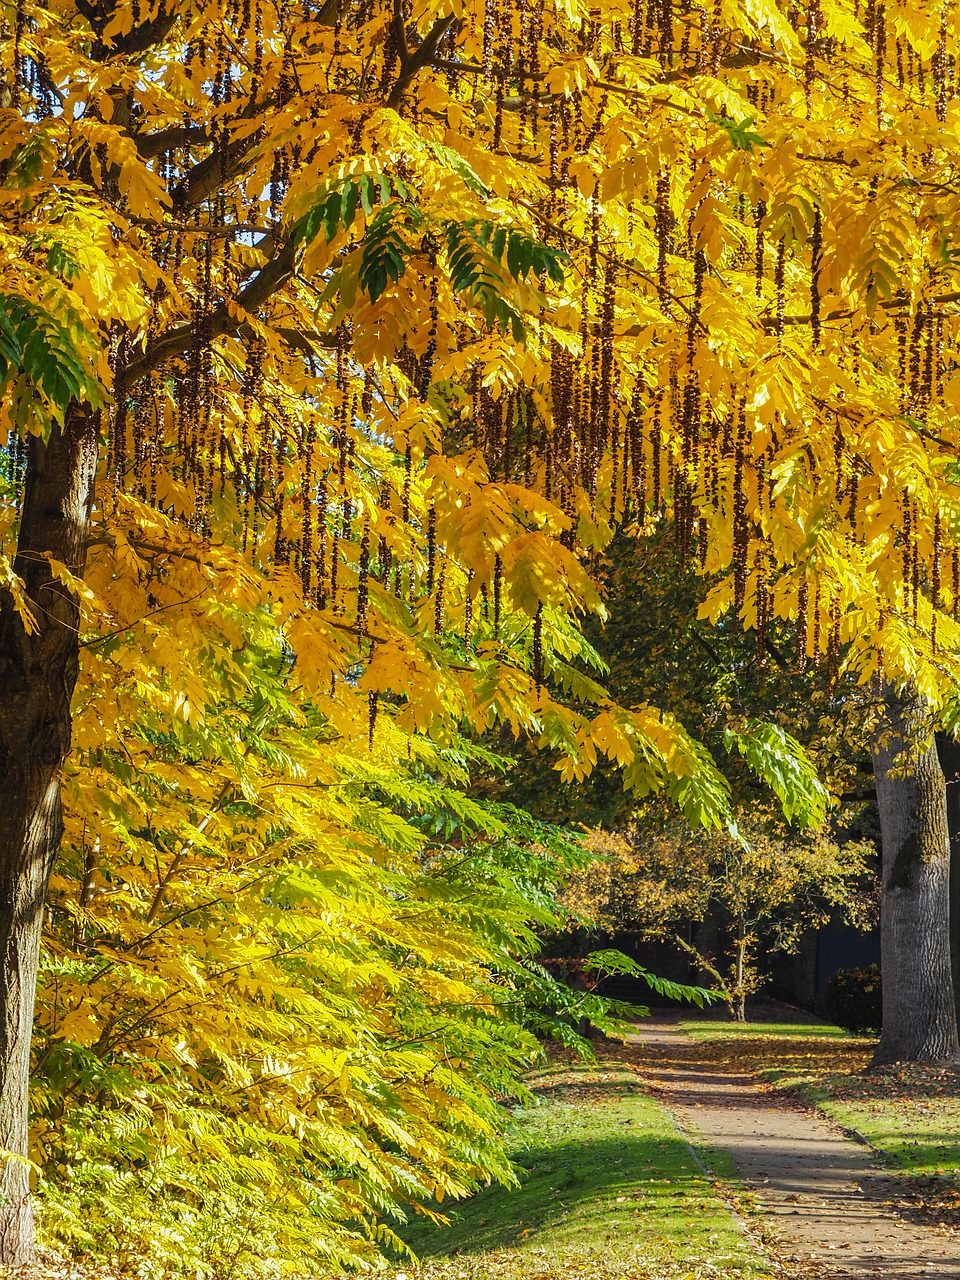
(610, 1190)
(706, 1029)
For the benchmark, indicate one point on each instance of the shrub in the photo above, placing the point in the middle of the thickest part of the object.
(854, 998)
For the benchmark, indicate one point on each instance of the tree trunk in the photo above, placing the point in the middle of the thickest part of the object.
(948, 750)
(919, 1018)
(37, 677)
(738, 1004)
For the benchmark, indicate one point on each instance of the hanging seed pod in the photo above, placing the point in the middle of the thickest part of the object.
(637, 24)
(913, 373)
(663, 224)
(779, 280)
(935, 601)
(279, 542)
(854, 497)
(741, 532)
(321, 579)
(955, 583)
(815, 627)
(926, 378)
(802, 638)
(407, 472)
(880, 50)
(307, 548)
(335, 568)
(510, 417)
(497, 591)
(900, 328)
(19, 61)
(915, 580)
(118, 460)
(813, 31)
(762, 601)
(140, 446)
(838, 459)
(939, 68)
(685, 38)
(634, 462)
(606, 354)
(816, 267)
(759, 213)
(468, 617)
(373, 703)
(538, 649)
(553, 180)
(431, 547)
(690, 410)
(548, 465)
(363, 583)
(528, 413)
(833, 643)
(438, 606)
(666, 31)
(655, 450)
(244, 482)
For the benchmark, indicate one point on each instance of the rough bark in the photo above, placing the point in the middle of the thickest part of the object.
(948, 749)
(37, 677)
(919, 1017)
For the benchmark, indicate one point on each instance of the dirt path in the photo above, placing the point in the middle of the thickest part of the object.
(823, 1195)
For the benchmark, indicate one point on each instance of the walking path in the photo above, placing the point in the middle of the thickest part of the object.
(826, 1198)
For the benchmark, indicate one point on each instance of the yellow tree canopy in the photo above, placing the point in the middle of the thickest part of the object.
(404, 308)
(389, 315)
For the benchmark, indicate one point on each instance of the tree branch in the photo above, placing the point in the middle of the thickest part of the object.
(271, 277)
(414, 62)
(150, 145)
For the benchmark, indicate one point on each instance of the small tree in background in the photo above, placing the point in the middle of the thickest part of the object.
(765, 884)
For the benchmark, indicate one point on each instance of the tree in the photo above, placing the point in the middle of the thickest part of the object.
(287, 975)
(289, 298)
(948, 752)
(919, 1012)
(761, 885)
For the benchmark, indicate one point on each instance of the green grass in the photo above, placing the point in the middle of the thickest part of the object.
(910, 1113)
(704, 1029)
(610, 1190)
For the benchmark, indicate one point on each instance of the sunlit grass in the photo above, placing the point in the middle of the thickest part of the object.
(610, 1189)
(708, 1029)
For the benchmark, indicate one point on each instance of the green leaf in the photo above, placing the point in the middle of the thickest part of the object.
(783, 764)
(366, 189)
(331, 214)
(453, 160)
(740, 135)
(351, 194)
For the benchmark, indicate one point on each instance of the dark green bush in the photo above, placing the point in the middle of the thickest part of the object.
(854, 998)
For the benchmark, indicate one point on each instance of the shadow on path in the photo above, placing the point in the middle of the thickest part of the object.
(824, 1195)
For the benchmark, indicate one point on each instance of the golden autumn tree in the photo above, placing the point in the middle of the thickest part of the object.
(380, 316)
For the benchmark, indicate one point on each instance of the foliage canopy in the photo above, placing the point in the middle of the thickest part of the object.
(378, 320)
